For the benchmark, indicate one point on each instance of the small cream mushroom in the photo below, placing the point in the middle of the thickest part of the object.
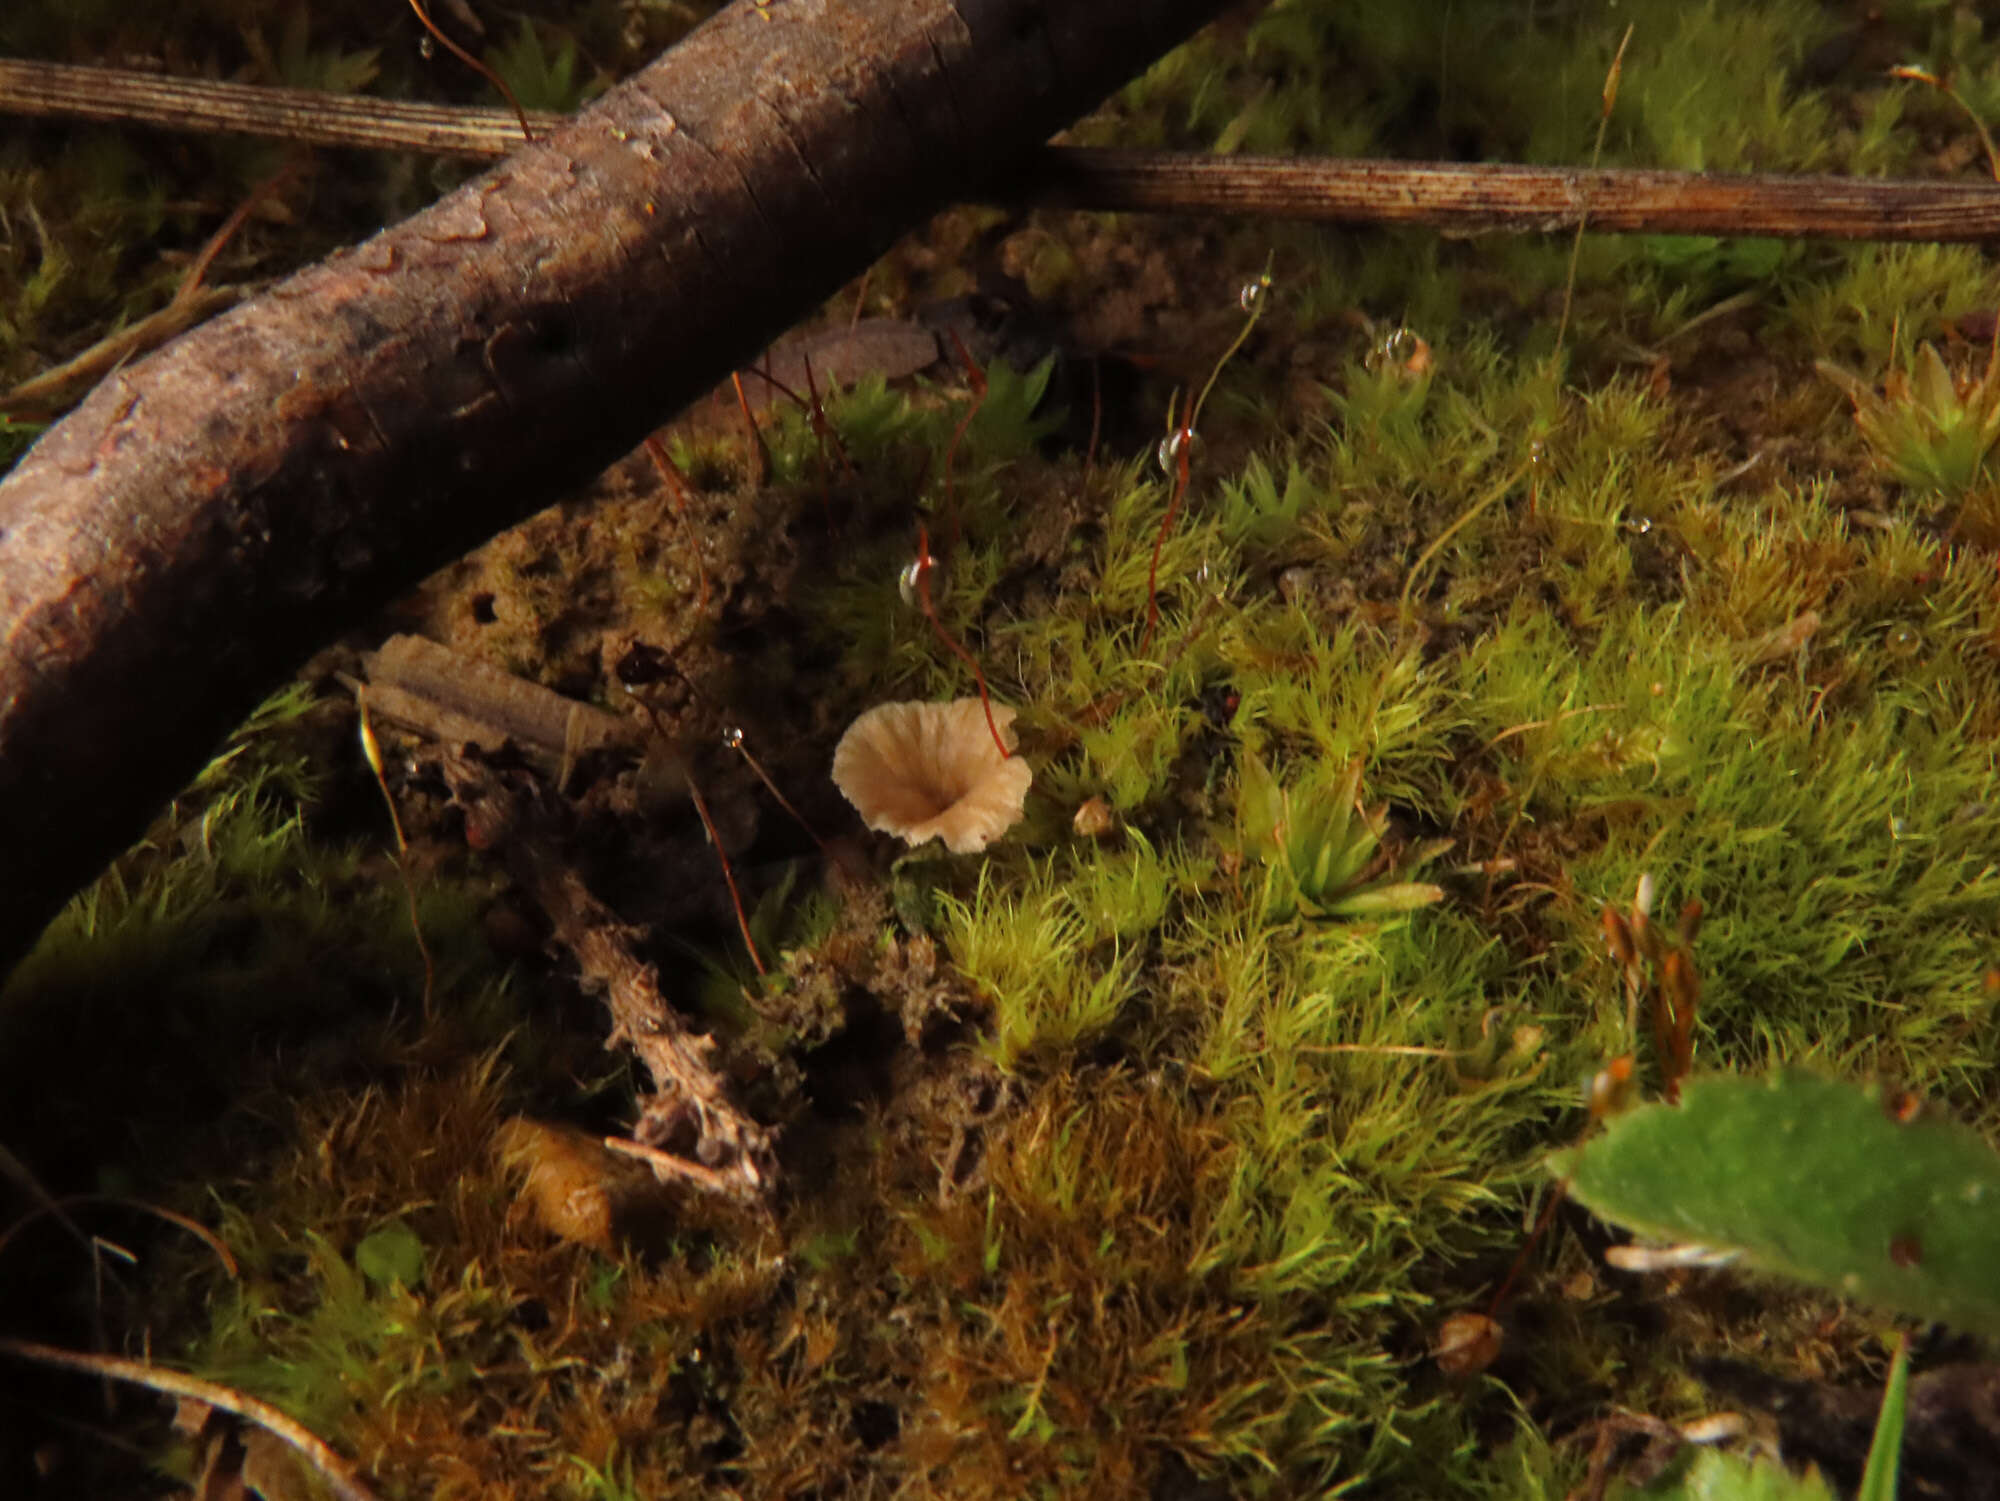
(932, 771)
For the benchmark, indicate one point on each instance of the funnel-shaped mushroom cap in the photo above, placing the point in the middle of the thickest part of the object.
(924, 771)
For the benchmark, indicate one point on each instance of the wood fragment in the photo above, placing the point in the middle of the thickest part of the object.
(688, 1130)
(455, 699)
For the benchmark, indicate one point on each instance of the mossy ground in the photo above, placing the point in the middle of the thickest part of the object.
(1108, 1171)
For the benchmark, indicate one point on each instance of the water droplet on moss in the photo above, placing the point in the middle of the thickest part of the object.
(1169, 452)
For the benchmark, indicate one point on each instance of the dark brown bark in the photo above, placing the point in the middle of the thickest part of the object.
(212, 513)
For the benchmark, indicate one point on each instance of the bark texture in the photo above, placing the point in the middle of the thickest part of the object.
(214, 512)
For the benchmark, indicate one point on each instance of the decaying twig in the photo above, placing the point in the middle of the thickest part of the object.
(688, 1129)
(340, 1476)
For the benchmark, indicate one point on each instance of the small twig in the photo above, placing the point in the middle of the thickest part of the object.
(341, 1476)
(1456, 197)
(312, 117)
(666, 1165)
(1488, 198)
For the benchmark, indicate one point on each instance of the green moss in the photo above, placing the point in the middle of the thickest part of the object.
(1168, 1171)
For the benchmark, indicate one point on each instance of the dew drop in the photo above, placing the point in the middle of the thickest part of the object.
(732, 738)
(1251, 297)
(1902, 640)
(1169, 452)
(906, 585)
(1396, 350)
(426, 48)
(1638, 525)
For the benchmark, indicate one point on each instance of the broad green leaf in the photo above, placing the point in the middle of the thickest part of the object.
(1815, 1180)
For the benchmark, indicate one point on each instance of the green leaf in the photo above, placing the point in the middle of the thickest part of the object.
(1714, 1476)
(1812, 1179)
(1878, 1481)
(391, 1255)
(1404, 896)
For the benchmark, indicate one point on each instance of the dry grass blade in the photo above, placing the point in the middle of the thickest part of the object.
(339, 1475)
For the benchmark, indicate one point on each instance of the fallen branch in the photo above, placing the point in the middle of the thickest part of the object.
(213, 512)
(1456, 197)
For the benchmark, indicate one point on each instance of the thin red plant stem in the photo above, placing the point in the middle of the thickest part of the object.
(976, 378)
(760, 462)
(1183, 443)
(728, 875)
(734, 740)
(477, 66)
(1542, 1222)
(860, 298)
(925, 563)
(822, 431)
(1096, 415)
(715, 839)
(679, 488)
